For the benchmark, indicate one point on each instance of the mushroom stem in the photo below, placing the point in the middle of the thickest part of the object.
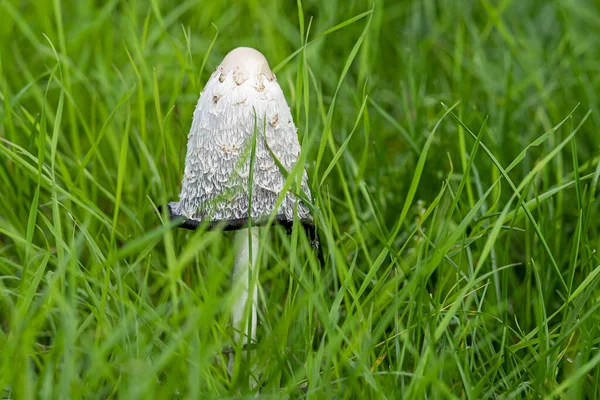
(245, 279)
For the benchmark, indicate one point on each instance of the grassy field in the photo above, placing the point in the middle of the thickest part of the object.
(453, 155)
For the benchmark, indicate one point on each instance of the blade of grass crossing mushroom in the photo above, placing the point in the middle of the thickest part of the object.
(245, 270)
(313, 237)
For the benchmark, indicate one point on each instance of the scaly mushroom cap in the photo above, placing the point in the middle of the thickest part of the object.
(242, 92)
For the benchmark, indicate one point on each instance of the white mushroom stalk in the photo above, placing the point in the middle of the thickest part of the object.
(241, 107)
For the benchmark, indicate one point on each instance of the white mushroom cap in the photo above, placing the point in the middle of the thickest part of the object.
(245, 62)
(217, 166)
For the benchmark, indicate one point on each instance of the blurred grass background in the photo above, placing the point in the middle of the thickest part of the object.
(452, 270)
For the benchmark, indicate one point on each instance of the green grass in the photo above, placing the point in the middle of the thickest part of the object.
(453, 155)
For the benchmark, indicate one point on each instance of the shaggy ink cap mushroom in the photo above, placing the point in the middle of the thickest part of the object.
(240, 95)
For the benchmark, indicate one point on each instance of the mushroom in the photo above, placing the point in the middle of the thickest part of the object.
(241, 119)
